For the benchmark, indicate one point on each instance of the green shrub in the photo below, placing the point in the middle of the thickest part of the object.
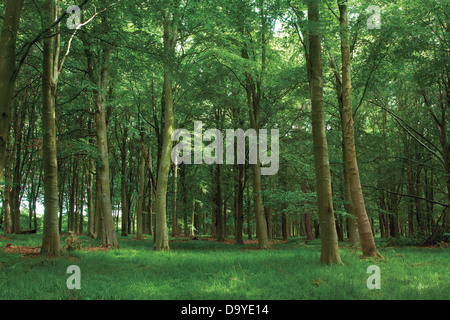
(72, 241)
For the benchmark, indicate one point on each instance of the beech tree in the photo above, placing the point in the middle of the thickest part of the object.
(51, 242)
(330, 250)
(170, 42)
(8, 72)
(351, 165)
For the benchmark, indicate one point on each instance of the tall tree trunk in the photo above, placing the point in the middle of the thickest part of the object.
(421, 222)
(50, 240)
(90, 204)
(7, 190)
(284, 226)
(308, 230)
(261, 225)
(330, 250)
(8, 73)
(239, 184)
(140, 202)
(239, 202)
(170, 40)
(270, 211)
(16, 171)
(193, 229)
(30, 201)
(248, 212)
(129, 193)
(352, 221)
(151, 190)
(98, 72)
(365, 231)
(81, 210)
(183, 185)
(77, 204)
(123, 185)
(254, 99)
(71, 217)
(219, 203)
(106, 227)
(174, 202)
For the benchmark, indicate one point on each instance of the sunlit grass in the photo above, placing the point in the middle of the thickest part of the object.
(211, 270)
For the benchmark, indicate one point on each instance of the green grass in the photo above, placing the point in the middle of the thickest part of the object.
(207, 270)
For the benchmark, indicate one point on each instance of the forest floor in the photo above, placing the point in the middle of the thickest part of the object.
(211, 270)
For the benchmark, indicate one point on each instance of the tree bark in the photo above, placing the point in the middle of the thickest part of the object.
(170, 40)
(174, 202)
(50, 240)
(330, 250)
(365, 231)
(98, 72)
(140, 202)
(183, 185)
(8, 73)
(219, 203)
(7, 190)
(239, 202)
(123, 184)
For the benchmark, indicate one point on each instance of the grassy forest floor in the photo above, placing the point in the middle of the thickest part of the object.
(210, 270)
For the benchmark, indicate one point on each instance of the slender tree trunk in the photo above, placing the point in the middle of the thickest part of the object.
(308, 230)
(90, 204)
(150, 195)
(330, 250)
(193, 216)
(270, 211)
(77, 204)
(219, 203)
(7, 190)
(162, 237)
(130, 223)
(98, 72)
(254, 99)
(140, 202)
(81, 216)
(50, 240)
(124, 187)
(248, 212)
(71, 218)
(30, 201)
(284, 226)
(224, 221)
(106, 228)
(15, 172)
(183, 185)
(213, 206)
(365, 231)
(174, 202)
(239, 205)
(421, 223)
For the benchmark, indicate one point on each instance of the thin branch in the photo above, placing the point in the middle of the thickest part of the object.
(73, 34)
(40, 35)
(406, 195)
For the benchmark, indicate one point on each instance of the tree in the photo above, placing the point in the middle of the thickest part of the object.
(330, 250)
(170, 42)
(98, 72)
(50, 243)
(351, 166)
(8, 72)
